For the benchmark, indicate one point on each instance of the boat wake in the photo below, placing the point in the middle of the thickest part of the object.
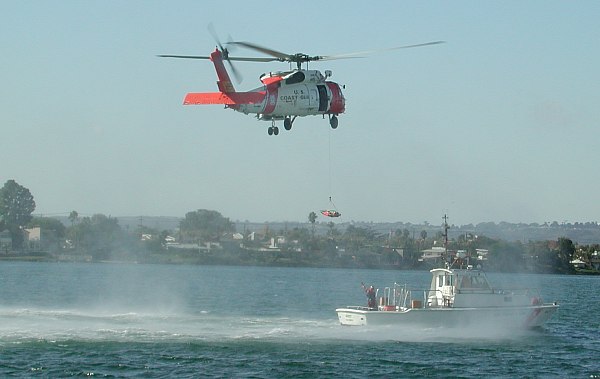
(27, 324)
(44, 324)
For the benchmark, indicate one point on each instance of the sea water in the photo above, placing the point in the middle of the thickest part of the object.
(131, 320)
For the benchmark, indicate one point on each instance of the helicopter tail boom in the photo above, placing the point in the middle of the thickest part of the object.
(229, 98)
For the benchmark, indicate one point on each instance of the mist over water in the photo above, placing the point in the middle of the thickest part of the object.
(56, 325)
(199, 315)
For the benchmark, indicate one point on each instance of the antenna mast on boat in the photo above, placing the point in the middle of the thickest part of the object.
(445, 235)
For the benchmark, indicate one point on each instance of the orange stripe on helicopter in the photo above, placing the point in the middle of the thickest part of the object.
(271, 102)
(230, 98)
(338, 103)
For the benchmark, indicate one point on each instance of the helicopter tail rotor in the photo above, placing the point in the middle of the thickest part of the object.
(236, 74)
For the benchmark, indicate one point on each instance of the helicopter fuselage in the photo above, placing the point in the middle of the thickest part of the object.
(283, 96)
(299, 93)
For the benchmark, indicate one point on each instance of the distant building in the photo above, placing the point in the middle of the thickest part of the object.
(39, 239)
(33, 236)
(578, 263)
(595, 260)
(435, 253)
(482, 254)
(276, 242)
(400, 252)
(255, 236)
(205, 247)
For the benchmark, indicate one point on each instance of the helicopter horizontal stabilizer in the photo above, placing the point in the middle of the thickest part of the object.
(229, 98)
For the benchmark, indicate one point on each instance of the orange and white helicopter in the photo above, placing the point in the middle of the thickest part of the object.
(283, 95)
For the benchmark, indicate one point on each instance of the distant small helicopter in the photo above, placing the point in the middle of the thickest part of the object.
(284, 95)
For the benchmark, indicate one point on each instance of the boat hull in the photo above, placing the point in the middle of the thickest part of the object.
(525, 317)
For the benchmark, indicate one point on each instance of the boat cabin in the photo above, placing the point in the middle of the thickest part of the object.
(447, 284)
(459, 288)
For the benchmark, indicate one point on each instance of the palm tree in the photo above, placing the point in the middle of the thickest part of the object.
(73, 217)
(312, 218)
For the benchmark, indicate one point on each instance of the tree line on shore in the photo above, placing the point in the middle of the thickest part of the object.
(207, 237)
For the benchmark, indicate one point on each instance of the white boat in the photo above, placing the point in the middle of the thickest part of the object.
(457, 297)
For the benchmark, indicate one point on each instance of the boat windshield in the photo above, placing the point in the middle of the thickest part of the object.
(474, 281)
(479, 282)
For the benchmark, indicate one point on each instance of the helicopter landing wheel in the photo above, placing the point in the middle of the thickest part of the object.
(287, 123)
(333, 121)
(270, 130)
(275, 130)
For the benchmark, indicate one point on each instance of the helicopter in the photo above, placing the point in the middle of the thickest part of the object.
(284, 95)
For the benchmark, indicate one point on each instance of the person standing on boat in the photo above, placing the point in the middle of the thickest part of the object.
(371, 296)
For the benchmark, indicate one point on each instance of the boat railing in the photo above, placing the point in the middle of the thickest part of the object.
(401, 298)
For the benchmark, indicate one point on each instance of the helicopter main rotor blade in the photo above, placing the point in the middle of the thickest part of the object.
(182, 56)
(361, 54)
(241, 59)
(300, 58)
(248, 59)
(297, 58)
(274, 53)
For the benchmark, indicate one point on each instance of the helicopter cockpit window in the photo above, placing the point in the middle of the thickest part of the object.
(297, 77)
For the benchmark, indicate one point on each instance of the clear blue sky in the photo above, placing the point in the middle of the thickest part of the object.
(501, 123)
